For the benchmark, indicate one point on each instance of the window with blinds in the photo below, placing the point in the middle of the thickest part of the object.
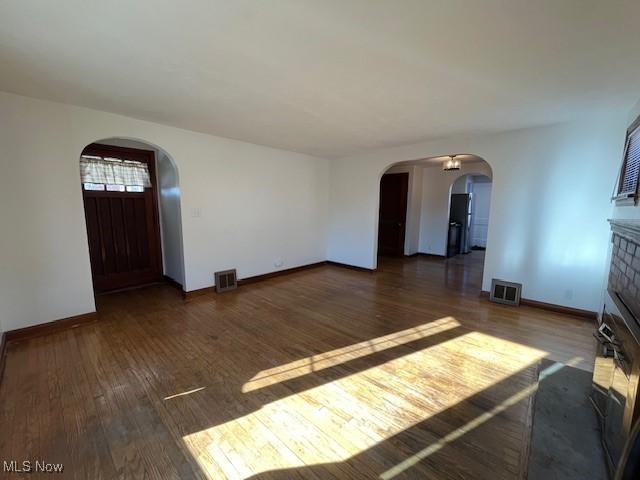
(628, 185)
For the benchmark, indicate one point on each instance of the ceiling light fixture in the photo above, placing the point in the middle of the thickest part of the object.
(451, 164)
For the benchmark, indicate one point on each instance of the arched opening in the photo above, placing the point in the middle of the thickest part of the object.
(131, 196)
(420, 199)
(467, 229)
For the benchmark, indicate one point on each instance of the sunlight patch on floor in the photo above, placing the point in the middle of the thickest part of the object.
(338, 356)
(475, 423)
(339, 419)
(181, 394)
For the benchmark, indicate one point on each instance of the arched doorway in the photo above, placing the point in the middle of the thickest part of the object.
(427, 216)
(131, 199)
(469, 207)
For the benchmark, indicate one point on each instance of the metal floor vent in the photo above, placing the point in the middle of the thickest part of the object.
(226, 280)
(505, 292)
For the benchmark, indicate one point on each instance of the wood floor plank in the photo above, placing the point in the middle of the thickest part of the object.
(324, 373)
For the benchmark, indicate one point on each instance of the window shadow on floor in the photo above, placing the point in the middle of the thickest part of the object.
(155, 370)
(484, 436)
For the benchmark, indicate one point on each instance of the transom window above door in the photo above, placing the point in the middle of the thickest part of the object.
(113, 174)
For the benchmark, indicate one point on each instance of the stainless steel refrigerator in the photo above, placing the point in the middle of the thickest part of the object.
(460, 213)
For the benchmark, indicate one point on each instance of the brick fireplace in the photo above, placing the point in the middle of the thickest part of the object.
(624, 274)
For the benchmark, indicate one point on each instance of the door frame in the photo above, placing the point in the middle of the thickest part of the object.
(155, 242)
(405, 193)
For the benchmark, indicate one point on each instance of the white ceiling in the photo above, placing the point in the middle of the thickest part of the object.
(328, 77)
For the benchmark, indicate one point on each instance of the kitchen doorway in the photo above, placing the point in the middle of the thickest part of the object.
(469, 207)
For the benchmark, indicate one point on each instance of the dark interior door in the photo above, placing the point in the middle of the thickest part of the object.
(393, 213)
(123, 228)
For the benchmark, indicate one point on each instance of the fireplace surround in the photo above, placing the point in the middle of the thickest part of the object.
(624, 273)
(617, 365)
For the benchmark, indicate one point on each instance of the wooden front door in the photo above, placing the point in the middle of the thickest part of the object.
(123, 228)
(393, 213)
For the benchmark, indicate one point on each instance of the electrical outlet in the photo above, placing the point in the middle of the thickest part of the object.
(278, 263)
(568, 294)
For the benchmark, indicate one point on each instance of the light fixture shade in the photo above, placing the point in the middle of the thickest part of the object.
(452, 164)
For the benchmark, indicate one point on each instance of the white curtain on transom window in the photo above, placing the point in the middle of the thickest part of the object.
(113, 171)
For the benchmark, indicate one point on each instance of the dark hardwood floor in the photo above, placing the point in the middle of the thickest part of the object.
(326, 373)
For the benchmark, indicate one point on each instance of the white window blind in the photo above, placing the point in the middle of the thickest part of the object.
(631, 165)
(114, 171)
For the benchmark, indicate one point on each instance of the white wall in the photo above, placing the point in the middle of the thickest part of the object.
(550, 201)
(436, 198)
(248, 206)
(169, 195)
(462, 184)
(414, 201)
(256, 205)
